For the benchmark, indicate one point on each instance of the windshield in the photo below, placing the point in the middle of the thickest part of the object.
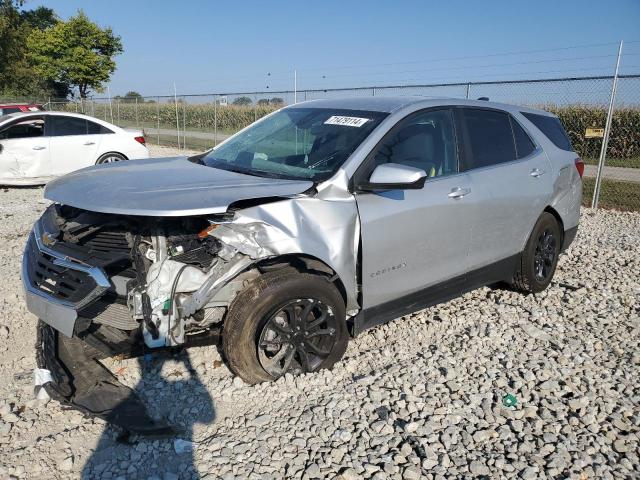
(296, 143)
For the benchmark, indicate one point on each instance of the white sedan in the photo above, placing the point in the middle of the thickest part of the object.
(37, 147)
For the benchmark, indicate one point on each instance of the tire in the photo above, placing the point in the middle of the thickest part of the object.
(539, 259)
(260, 333)
(110, 157)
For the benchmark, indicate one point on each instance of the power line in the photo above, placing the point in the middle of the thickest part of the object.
(470, 79)
(469, 57)
(464, 67)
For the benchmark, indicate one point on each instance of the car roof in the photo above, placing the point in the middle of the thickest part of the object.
(2, 105)
(12, 116)
(394, 104)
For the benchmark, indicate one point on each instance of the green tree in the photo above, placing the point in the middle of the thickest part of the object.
(17, 77)
(40, 18)
(277, 101)
(76, 52)
(242, 101)
(131, 97)
(263, 102)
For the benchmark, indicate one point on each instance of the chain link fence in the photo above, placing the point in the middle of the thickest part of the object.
(199, 122)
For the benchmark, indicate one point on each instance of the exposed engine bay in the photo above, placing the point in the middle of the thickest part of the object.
(161, 291)
(160, 271)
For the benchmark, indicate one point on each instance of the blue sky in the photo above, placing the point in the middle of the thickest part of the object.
(207, 46)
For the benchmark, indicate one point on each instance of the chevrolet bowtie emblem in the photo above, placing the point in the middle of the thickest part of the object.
(48, 239)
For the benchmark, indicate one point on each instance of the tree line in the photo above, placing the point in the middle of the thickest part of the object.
(42, 55)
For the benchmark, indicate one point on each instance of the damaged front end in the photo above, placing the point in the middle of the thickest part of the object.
(106, 285)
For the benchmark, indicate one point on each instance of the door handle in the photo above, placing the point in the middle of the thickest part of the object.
(536, 172)
(39, 147)
(89, 143)
(459, 192)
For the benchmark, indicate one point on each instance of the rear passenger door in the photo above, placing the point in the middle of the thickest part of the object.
(72, 145)
(510, 173)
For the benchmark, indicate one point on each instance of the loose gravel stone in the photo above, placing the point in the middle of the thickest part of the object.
(419, 397)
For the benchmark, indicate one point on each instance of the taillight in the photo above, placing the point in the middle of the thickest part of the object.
(579, 166)
(142, 141)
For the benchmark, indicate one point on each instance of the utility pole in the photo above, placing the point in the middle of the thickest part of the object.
(175, 100)
(607, 132)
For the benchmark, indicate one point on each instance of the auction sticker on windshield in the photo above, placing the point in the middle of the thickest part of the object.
(346, 121)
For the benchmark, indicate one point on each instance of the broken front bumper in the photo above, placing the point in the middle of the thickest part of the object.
(81, 382)
(56, 287)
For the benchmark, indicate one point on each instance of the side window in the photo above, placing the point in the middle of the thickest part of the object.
(425, 141)
(95, 129)
(524, 145)
(552, 128)
(8, 110)
(29, 128)
(62, 126)
(489, 136)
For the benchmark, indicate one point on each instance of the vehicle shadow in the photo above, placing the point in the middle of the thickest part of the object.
(174, 393)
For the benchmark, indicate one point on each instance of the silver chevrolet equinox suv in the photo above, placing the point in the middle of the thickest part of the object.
(314, 223)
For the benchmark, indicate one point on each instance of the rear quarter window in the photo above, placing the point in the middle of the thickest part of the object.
(552, 128)
(95, 129)
(524, 145)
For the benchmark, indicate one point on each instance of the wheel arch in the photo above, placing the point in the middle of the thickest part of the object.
(552, 211)
(556, 215)
(110, 152)
(303, 263)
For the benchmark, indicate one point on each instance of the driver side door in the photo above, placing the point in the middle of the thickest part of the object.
(416, 239)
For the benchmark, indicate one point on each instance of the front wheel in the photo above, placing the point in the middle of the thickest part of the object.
(284, 322)
(539, 259)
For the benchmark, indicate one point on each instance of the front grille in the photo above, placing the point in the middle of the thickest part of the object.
(60, 282)
(106, 241)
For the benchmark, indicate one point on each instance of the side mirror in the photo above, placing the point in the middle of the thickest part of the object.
(394, 176)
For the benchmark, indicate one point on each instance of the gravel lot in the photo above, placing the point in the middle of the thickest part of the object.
(421, 397)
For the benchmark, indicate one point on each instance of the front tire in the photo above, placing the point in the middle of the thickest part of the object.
(284, 322)
(539, 259)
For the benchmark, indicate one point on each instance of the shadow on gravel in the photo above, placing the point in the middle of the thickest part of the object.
(176, 397)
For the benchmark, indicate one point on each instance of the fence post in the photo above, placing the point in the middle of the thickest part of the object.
(215, 120)
(118, 110)
(607, 132)
(373, 92)
(175, 100)
(136, 107)
(110, 104)
(468, 88)
(184, 123)
(158, 119)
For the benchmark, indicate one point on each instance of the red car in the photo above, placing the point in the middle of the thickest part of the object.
(19, 107)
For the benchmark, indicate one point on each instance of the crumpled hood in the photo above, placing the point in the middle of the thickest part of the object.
(166, 187)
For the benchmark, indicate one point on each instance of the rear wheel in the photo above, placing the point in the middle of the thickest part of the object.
(110, 157)
(539, 259)
(284, 322)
